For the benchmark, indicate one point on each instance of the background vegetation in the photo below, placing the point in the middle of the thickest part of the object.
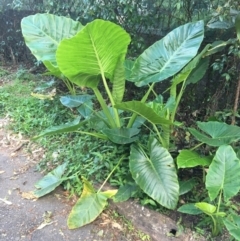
(146, 21)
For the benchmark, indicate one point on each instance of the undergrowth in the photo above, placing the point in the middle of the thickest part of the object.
(86, 155)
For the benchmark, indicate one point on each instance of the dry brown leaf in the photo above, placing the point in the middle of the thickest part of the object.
(106, 222)
(28, 195)
(117, 225)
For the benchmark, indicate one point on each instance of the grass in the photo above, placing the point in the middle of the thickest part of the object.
(86, 155)
(29, 115)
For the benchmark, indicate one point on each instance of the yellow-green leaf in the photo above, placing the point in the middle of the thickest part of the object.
(88, 206)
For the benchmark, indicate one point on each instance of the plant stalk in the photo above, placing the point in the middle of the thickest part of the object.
(110, 174)
(143, 100)
(104, 107)
(164, 144)
(214, 229)
(219, 201)
(172, 118)
(195, 147)
(112, 101)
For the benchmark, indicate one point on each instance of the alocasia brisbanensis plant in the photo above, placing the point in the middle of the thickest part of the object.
(96, 53)
(223, 176)
(43, 33)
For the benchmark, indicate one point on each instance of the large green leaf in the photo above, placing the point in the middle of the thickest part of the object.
(155, 174)
(68, 127)
(49, 182)
(188, 158)
(224, 174)
(122, 135)
(192, 72)
(217, 133)
(144, 111)
(88, 206)
(72, 101)
(94, 51)
(169, 55)
(44, 32)
(232, 224)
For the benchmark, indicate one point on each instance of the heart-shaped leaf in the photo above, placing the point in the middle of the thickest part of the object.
(188, 158)
(86, 109)
(44, 32)
(169, 55)
(118, 81)
(94, 51)
(224, 174)
(198, 73)
(128, 68)
(217, 133)
(232, 224)
(186, 186)
(155, 173)
(88, 206)
(49, 182)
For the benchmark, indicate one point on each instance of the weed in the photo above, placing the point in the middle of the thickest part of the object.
(28, 114)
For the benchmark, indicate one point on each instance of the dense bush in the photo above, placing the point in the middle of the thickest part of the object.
(146, 21)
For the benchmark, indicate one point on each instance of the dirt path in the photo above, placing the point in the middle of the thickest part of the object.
(24, 218)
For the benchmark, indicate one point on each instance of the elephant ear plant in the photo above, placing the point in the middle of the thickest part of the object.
(222, 180)
(43, 33)
(221, 172)
(96, 54)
